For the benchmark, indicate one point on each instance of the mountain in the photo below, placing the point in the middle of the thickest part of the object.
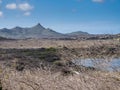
(78, 33)
(37, 31)
(2, 38)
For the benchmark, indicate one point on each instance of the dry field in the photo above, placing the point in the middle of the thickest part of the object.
(38, 43)
(21, 67)
(43, 80)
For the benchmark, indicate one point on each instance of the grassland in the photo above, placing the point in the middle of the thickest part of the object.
(46, 65)
(43, 43)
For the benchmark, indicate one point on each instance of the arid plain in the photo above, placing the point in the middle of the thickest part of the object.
(41, 64)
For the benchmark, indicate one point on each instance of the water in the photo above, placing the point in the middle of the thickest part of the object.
(101, 64)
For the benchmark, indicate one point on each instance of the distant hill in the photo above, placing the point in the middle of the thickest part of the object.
(37, 31)
(2, 38)
(78, 33)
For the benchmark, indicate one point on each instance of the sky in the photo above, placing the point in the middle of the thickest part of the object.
(64, 16)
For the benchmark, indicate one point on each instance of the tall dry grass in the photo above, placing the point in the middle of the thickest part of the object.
(38, 79)
(38, 43)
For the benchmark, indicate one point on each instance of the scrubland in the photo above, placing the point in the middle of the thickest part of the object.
(47, 65)
(40, 43)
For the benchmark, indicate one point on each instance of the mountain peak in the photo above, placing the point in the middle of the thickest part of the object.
(39, 25)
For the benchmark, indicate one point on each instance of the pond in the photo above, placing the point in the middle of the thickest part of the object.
(108, 64)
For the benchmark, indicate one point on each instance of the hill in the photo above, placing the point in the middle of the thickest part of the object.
(78, 33)
(2, 38)
(37, 31)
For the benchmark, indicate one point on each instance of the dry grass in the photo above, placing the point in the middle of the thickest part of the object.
(38, 43)
(43, 80)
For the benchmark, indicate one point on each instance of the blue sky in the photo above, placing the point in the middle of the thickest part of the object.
(93, 16)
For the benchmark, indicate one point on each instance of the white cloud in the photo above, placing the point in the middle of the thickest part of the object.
(25, 7)
(1, 13)
(98, 1)
(11, 6)
(27, 13)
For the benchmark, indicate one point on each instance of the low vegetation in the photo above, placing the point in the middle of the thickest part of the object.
(51, 68)
(39, 79)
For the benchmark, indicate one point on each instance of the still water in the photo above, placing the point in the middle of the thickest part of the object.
(101, 64)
